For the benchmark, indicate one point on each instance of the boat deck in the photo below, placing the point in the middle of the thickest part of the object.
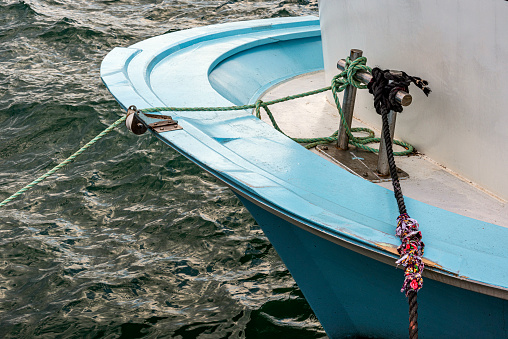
(208, 66)
(334, 230)
(429, 182)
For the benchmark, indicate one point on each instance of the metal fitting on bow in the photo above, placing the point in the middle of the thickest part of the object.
(133, 123)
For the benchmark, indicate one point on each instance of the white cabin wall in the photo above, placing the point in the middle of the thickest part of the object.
(461, 48)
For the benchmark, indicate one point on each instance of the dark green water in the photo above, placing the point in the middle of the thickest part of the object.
(131, 240)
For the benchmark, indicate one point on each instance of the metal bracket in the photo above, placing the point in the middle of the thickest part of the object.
(165, 126)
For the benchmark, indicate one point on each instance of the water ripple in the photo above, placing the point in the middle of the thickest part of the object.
(131, 240)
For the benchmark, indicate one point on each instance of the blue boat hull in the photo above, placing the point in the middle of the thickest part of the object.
(334, 231)
(356, 296)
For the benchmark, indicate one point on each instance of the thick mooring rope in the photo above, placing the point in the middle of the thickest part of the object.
(339, 83)
(383, 86)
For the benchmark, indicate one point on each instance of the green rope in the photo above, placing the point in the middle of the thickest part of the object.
(63, 163)
(234, 108)
(339, 83)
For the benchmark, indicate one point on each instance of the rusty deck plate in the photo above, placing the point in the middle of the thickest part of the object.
(165, 125)
(357, 161)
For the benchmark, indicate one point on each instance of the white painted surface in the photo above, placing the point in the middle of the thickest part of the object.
(314, 116)
(461, 48)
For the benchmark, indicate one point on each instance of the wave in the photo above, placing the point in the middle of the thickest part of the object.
(131, 239)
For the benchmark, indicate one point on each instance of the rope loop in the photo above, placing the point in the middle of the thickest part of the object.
(257, 108)
(353, 66)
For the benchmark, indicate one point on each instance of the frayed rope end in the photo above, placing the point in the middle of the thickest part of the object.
(411, 252)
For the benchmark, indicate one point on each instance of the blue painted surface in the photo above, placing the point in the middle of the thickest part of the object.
(231, 64)
(354, 295)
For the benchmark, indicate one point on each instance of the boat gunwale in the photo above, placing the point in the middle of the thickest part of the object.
(383, 254)
(376, 251)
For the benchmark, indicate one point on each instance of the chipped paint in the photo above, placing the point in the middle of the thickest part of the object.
(428, 263)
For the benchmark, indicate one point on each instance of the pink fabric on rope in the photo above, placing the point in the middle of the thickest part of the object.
(411, 252)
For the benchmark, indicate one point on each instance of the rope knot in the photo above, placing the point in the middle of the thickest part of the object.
(258, 105)
(386, 83)
(347, 76)
(353, 66)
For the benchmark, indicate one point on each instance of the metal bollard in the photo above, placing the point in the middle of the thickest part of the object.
(383, 167)
(348, 107)
(402, 97)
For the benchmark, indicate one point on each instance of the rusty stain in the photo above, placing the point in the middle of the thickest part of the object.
(393, 249)
(387, 247)
(428, 263)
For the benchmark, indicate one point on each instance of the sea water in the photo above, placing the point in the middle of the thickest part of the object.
(131, 240)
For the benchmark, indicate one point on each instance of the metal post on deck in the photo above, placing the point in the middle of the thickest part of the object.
(383, 167)
(402, 97)
(348, 107)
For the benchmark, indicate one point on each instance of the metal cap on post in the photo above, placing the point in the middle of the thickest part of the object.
(402, 97)
(348, 105)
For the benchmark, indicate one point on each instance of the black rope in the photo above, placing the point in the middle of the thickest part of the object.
(384, 86)
(413, 315)
(397, 190)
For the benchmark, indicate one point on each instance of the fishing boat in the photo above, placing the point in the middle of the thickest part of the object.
(334, 227)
